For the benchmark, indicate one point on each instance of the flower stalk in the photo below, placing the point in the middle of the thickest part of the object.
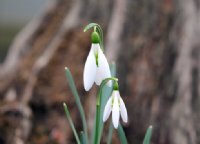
(98, 108)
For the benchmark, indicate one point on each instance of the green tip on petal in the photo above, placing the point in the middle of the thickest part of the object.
(95, 37)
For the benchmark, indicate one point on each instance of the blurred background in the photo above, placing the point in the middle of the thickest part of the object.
(14, 15)
(155, 45)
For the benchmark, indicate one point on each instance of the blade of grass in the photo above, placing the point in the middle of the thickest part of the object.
(71, 123)
(110, 132)
(122, 135)
(148, 134)
(82, 138)
(77, 100)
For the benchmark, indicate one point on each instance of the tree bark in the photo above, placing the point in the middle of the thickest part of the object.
(156, 48)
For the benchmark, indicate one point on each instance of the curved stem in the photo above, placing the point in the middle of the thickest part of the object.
(98, 29)
(98, 109)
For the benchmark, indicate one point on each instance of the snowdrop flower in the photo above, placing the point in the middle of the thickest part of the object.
(117, 106)
(96, 66)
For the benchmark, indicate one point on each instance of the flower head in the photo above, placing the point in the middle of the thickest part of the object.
(117, 106)
(96, 66)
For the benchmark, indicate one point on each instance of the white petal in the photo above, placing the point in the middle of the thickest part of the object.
(107, 109)
(90, 68)
(115, 93)
(103, 69)
(123, 111)
(115, 112)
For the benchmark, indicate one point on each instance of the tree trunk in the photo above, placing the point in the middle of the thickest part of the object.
(156, 48)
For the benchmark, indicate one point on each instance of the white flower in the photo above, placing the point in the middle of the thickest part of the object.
(96, 67)
(117, 106)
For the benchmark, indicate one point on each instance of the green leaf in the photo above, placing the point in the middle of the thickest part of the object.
(122, 135)
(110, 132)
(71, 123)
(148, 134)
(82, 138)
(77, 100)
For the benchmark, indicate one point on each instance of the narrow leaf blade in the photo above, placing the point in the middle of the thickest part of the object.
(77, 100)
(122, 135)
(148, 134)
(82, 138)
(71, 123)
(110, 132)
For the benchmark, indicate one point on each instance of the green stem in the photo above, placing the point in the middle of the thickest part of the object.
(97, 123)
(98, 109)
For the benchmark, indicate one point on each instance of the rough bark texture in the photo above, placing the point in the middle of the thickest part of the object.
(155, 44)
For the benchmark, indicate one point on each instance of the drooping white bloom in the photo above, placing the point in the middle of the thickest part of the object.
(117, 106)
(96, 67)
